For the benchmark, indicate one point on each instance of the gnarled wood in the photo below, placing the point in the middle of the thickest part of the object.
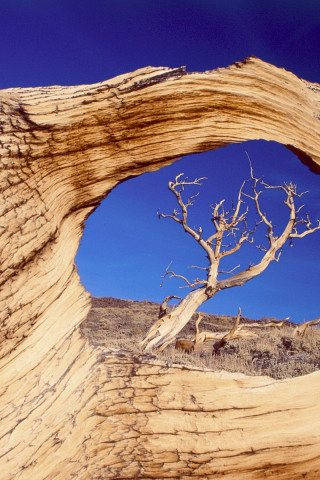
(301, 330)
(277, 324)
(164, 305)
(67, 410)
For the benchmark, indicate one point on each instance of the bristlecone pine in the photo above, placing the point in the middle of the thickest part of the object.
(69, 410)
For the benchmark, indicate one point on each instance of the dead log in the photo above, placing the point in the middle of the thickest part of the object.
(67, 409)
(277, 325)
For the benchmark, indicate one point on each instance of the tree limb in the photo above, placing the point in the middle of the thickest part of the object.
(228, 336)
(301, 330)
(164, 304)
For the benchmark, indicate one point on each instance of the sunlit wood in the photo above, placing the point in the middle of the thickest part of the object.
(69, 410)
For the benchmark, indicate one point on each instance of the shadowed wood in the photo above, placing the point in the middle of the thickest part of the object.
(68, 410)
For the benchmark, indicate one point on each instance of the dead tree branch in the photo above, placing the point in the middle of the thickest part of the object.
(301, 330)
(172, 274)
(164, 305)
(264, 325)
(224, 340)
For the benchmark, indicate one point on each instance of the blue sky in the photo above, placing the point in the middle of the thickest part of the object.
(125, 248)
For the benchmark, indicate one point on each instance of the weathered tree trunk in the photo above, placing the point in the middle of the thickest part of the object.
(166, 328)
(68, 410)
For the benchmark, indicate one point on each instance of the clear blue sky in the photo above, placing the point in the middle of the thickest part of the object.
(125, 247)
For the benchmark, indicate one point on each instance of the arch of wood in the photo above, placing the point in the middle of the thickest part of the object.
(68, 410)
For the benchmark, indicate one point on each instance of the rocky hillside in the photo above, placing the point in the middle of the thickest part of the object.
(121, 324)
(128, 318)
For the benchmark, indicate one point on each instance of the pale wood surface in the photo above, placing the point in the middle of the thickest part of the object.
(67, 410)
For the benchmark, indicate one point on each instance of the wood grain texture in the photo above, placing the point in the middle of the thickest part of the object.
(68, 410)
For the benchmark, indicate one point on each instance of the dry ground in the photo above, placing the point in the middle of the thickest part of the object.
(121, 324)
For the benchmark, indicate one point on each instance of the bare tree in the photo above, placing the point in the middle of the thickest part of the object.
(233, 224)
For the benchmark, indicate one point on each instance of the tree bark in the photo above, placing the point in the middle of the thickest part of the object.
(67, 409)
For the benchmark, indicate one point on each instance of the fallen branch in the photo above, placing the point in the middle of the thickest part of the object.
(264, 325)
(301, 330)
